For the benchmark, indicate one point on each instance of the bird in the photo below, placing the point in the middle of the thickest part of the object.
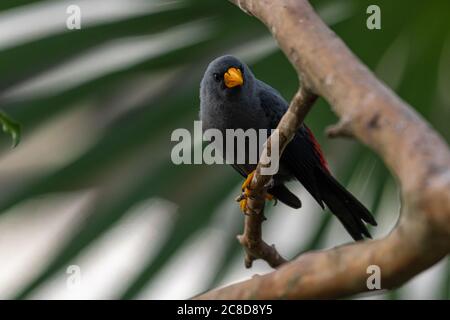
(231, 97)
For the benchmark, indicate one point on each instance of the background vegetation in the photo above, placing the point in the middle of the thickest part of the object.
(92, 184)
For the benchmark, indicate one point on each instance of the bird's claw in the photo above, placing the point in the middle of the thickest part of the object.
(247, 181)
(245, 195)
(242, 199)
(269, 184)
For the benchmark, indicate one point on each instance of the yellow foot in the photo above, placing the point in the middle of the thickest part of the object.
(246, 193)
(248, 181)
(243, 201)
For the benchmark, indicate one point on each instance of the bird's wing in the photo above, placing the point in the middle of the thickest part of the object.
(302, 155)
(301, 159)
(304, 159)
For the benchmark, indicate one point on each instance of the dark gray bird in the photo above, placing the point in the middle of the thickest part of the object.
(232, 98)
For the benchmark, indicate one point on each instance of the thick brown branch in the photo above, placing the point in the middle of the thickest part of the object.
(414, 152)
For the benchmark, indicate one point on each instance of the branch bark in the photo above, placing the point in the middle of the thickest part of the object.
(373, 114)
(251, 239)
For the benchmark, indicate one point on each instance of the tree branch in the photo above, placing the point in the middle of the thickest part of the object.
(251, 240)
(373, 114)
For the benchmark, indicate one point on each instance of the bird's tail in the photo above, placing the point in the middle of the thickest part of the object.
(280, 192)
(350, 212)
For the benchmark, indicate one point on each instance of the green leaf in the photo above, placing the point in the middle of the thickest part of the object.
(10, 127)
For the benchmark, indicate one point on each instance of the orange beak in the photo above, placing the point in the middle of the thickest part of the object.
(233, 77)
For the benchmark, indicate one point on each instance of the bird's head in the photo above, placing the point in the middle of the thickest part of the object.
(227, 78)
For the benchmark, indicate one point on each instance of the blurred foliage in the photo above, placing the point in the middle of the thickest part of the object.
(10, 127)
(130, 159)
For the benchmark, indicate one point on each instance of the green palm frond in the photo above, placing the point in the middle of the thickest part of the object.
(127, 158)
(10, 127)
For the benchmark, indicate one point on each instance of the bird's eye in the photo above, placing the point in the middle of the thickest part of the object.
(216, 77)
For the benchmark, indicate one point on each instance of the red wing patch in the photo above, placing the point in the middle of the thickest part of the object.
(318, 150)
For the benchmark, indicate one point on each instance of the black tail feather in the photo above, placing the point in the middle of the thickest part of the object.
(350, 212)
(284, 195)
